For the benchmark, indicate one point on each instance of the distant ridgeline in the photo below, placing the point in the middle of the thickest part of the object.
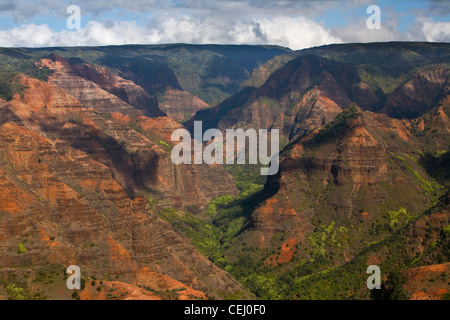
(215, 72)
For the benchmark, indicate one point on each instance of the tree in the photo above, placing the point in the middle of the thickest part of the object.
(394, 287)
(21, 248)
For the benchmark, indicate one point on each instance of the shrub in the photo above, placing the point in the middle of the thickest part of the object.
(21, 248)
(446, 296)
(164, 143)
(15, 293)
(9, 85)
(446, 231)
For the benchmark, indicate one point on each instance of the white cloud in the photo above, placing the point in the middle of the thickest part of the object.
(95, 33)
(357, 31)
(292, 32)
(430, 30)
(289, 23)
(422, 29)
(295, 33)
(27, 35)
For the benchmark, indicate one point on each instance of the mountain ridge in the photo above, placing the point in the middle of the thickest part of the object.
(85, 136)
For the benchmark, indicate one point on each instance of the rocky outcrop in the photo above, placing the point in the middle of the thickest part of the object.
(436, 286)
(118, 290)
(101, 89)
(262, 73)
(136, 149)
(181, 105)
(419, 94)
(346, 171)
(77, 182)
(304, 94)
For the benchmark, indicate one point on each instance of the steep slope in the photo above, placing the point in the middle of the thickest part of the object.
(385, 65)
(136, 149)
(188, 77)
(100, 88)
(432, 130)
(286, 99)
(333, 172)
(402, 80)
(413, 262)
(78, 183)
(209, 72)
(90, 180)
(419, 94)
(341, 185)
(180, 105)
(355, 181)
(73, 212)
(262, 73)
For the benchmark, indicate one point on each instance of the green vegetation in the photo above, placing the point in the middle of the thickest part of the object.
(15, 60)
(226, 216)
(248, 177)
(164, 143)
(325, 236)
(10, 85)
(346, 278)
(427, 186)
(394, 58)
(204, 235)
(172, 294)
(47, 274)
(333, 130)
(18, 293)
(210, 72)
(410, 165)
(376, 78)
(217, 203)
(396, 216)
(260, 75)
(151, 201)
(75, 295)
(393, 288)
(310, 278)
(21, 248)
(15, 293)
(446, 231)
(23, 285)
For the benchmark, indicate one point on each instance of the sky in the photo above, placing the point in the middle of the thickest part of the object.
(296, 24)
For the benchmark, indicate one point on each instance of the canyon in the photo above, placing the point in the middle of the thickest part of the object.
(86, 175)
